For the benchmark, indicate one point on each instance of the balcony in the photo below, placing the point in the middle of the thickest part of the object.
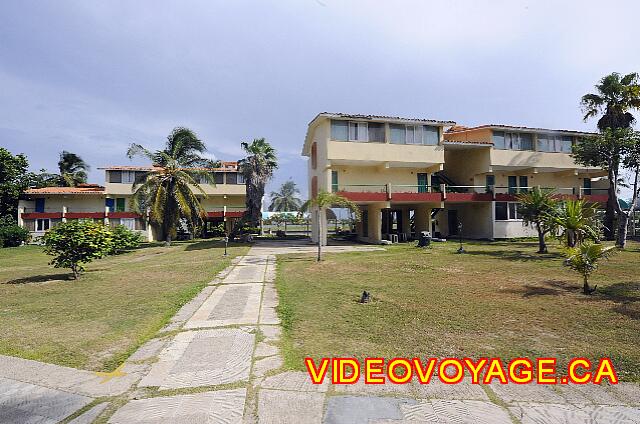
(363, 193)
(228, 211)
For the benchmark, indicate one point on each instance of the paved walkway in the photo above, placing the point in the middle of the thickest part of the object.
(217, 361)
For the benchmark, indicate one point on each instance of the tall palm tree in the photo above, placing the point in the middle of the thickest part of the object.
(616, 97)
(576, 221)
(168, 190)
(322, 202)
(535, 206)
(286, 199)
(584, 259)
(257, 169)
(72, 171)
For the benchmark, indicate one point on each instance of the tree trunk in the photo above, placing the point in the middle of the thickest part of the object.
(609, 218)
(571, 238)
(542, 246)
(585, 286)
(319, 235)
(621, 236)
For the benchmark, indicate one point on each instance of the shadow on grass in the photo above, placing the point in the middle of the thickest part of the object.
(41, 279)
(514, 255)
(206, 244)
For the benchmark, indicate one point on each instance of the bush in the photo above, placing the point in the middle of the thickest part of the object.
(218, 230)
(124, 238)
(281, 234)
(75, 243)
(11, 234)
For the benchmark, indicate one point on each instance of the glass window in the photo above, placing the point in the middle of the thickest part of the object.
(526, 141)
(115, 176)
(430, 135)
(334, 181)
(397, 133)
(512, 210)
(410, 134)
(218, 177)
(232, 178)
(120, 204)
(130, 223)
(566, 142)
(376, 132)
(241, 179)
(339, 130)
(42, 224)
(358, 131)
(128, 177)
(498, 140)
(543, 143)
(501, 211)
(110, 204)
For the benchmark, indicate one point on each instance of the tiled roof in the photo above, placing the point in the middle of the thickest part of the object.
(225, 167)
(82, 189)
(485, 142)
(384, 117)
(459, 128)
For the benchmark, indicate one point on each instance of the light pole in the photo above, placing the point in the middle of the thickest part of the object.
(460, 249)
(226, 243)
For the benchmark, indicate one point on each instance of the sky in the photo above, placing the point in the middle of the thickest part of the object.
(92, 77)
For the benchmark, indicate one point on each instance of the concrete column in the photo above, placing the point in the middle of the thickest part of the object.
(322, 215)
(106, 216)
(406, 222)
(64, 214)
(375, 223)
(423, 219)
(20, 212)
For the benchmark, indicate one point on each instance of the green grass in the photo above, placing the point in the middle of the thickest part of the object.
(500, 299)
(96, 322)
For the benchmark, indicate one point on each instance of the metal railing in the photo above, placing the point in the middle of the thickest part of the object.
(361, 188)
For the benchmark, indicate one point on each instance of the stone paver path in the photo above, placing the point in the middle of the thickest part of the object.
(218, 361)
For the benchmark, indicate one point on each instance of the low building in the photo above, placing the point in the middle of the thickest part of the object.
(41, 208)
(413, 175)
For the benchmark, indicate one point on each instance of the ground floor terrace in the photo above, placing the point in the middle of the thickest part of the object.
(401, 213)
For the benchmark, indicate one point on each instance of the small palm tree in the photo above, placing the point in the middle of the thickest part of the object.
(576, 222)
(584, 259)
(168, 190)
(286, 199)
(72, 171)
(535, 206)
(322, 202)
(257, 169)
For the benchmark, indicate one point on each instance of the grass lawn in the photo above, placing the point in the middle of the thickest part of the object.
(97, 321)
(500, 299)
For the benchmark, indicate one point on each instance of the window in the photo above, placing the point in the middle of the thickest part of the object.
(42, 224)
(130, 223)
(554, 143)
(120, 205)
(232, 178)
(422, 182)
(523, 183)
(128, 177)
(512, 140)
(340, 130)
(430, 135)
(397, 133)
(490, 181)
(513, 184)
(115, 176)
(334, 181)
(314, 186)
(507, 211)
(376, 132)
(358, 131)
(314, 155)
(218, 177)
(110, 204)
(241, 179)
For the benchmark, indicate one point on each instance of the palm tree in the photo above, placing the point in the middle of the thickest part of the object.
(72, 171)
(322, 202)
(286, 198)
(584, 259)
(535, 206)
(615, 98)
(168, 190)
(257, 169)
(576, 221)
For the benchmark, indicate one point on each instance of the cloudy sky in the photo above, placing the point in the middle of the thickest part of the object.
(93, 76)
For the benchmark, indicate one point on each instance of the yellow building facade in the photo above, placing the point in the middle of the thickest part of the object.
(413, 175)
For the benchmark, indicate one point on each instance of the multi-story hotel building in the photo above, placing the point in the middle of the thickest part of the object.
(413, 175)
(41, 208)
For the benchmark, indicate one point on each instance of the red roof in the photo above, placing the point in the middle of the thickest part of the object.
(226, 166)
(81, 189)
(460, 128)
(486, 142)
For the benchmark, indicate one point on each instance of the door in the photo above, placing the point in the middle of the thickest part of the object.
(452, 218)
(422, 182)
(40, 205)
(334, 181)
(435, 182)
(490, 182)
(523, 183)
(513, 184)
(587, 186)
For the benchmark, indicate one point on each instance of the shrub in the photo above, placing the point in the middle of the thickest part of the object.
(75, 243)
(124, 238)
(11, 234)
(281, 234)
(218, 230)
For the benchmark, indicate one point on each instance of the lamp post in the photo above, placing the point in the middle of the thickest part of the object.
(460, 249)
(226, 243)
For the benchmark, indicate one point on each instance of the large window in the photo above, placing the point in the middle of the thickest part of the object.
(128, 177)
(512, 140)
(413, 134)
(340, 130)
(358, 131)
(554, 143)
(376, 132)
(507, 211)
(42, 224)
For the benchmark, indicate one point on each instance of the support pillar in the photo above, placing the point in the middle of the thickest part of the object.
(64, 214)
(423, 219)
(375, 223)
